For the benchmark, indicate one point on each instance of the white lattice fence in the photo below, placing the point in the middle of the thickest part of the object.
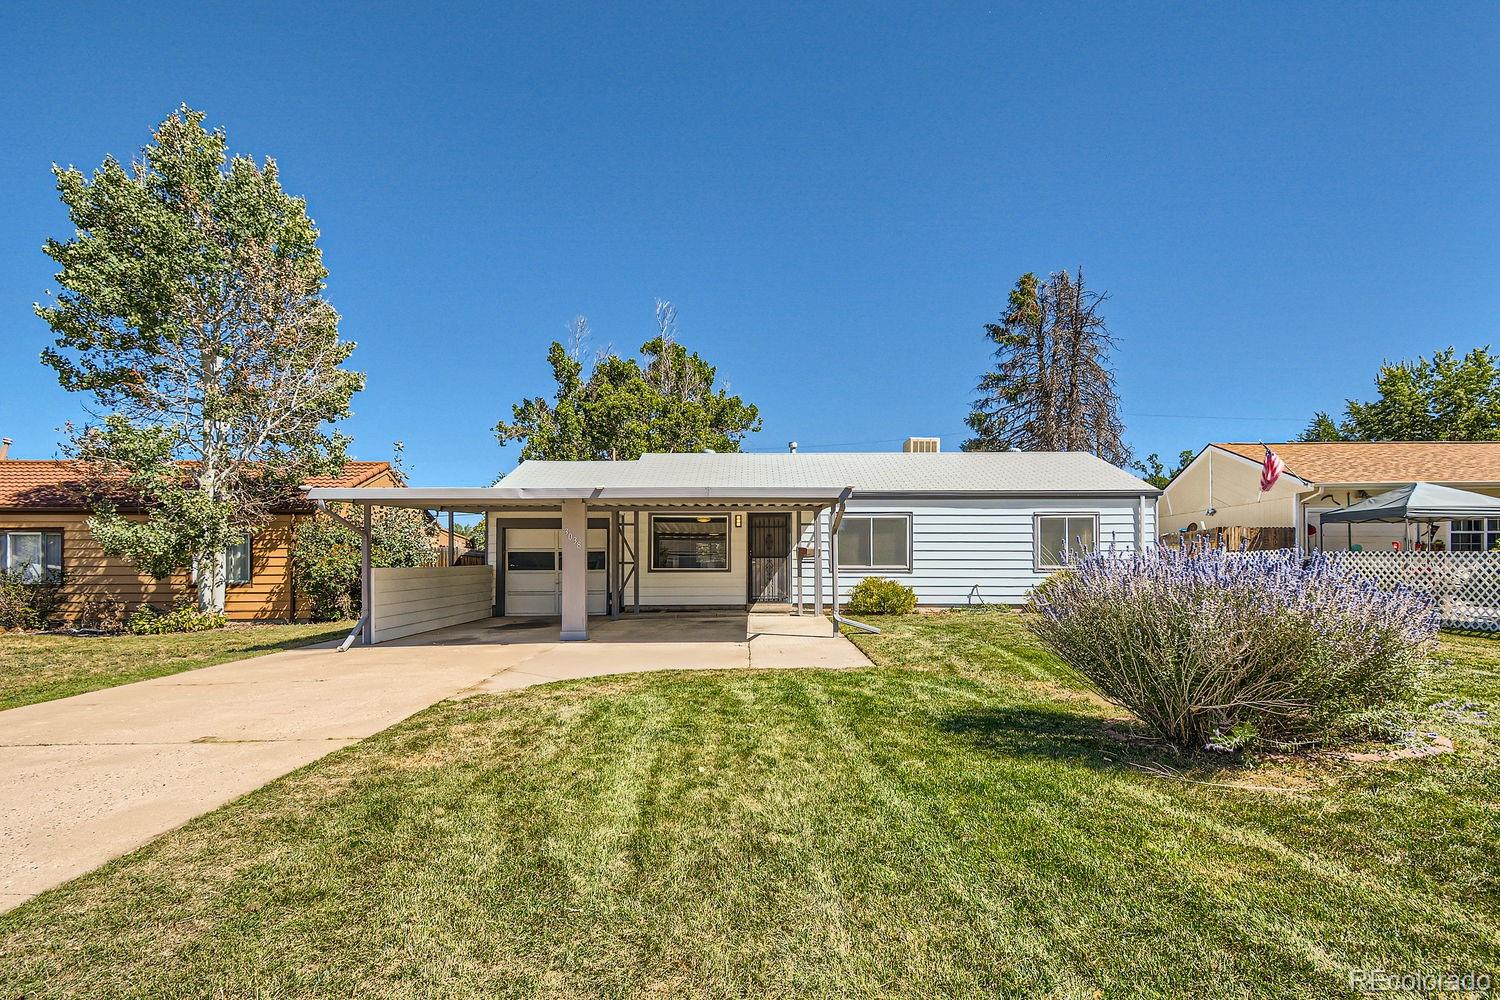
(1466, 585)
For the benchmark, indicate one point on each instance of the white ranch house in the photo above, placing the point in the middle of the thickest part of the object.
(731, 531)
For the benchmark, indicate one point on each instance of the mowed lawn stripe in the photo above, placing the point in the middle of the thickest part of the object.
(960, 824)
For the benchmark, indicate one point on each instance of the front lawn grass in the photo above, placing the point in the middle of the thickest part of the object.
(37, 668)
(956, 821)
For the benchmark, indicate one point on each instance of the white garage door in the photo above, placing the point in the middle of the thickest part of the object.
(533, 571)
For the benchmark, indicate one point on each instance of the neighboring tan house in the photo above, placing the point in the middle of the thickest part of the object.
(44, 529)
(1220, 487)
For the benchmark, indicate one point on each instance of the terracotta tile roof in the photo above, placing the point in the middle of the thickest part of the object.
(55, 484)
(1382, 461)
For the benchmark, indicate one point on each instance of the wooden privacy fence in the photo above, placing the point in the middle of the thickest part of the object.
(1234, 538)
(1466, 585)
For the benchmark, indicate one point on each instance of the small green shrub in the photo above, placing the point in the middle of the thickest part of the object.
(27, 606)
(876, 595)
(1040, 592)
(146, 620)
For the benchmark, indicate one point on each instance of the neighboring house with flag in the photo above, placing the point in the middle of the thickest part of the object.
(44, 534)
(1222, 488)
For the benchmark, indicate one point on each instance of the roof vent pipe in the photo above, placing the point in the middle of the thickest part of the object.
(791, 446)
(5, 444)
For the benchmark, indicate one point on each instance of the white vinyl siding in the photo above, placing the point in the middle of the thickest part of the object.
(972, 551)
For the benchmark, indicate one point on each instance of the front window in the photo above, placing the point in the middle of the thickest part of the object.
(237, 561)
(1061, 537)
(875, 541)
(34, 556)
(690, 542)
(1476, 534)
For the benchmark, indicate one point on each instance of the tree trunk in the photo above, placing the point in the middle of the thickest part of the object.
(210, 576)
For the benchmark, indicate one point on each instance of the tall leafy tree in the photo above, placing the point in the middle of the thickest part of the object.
(1154, 472)
(621, 408)
(1052, 387)
(1442, 398)
(191, 308)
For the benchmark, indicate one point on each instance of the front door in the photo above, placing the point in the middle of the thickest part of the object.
(770, 545)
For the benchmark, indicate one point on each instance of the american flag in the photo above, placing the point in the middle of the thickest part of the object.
(1270, 470)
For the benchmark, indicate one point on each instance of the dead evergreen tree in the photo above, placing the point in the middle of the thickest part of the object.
(1052, 387)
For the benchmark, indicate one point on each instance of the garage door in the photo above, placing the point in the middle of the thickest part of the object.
(533, 571)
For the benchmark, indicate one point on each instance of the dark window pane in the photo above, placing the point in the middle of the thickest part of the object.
(598, 560)
(890, 541)
(526, 561)
(690, 542)
(237, 561)
(854, 542)
(1052, 536)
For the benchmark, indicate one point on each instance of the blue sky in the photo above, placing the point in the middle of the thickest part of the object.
(1275, 196)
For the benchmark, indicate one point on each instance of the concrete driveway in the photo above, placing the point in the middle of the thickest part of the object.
(88, 778)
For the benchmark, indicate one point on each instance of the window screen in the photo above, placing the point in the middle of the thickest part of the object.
(875, 541)
(237, 561)
(34, 556)
(1062, 536)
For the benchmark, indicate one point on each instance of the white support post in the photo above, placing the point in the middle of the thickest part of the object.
(797, 566)
(1299, 525)
(818, 564)
(833, 568)
(636, 566)
(366, 583)
(1140, 524)
(575, 591)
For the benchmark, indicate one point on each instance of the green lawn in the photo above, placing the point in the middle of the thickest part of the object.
(37, 668)
(954, 822)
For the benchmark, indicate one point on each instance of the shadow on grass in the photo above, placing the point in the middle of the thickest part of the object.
(1055, 734)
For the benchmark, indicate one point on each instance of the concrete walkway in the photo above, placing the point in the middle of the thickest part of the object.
(88, 778)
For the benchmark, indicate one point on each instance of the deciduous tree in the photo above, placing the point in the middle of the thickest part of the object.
(1442, 398)
(622, 408)
(191, 307)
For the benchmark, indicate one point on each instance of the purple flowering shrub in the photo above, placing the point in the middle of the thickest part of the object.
(1198, 644)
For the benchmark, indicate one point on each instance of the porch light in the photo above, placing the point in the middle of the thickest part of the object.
(704, 520)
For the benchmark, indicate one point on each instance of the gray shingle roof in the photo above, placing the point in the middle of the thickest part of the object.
(867, 472)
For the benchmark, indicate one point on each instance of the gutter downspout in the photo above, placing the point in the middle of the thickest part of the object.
(364, 572)
(833, 560)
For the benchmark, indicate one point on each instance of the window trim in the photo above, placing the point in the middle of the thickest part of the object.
(248, 539)
(1037, 565)
(62, 550)
(911, 542)
(724, 516)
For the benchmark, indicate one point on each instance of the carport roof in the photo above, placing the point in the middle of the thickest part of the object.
(467, 498)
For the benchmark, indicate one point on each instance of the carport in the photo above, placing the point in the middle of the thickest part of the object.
(404, 602)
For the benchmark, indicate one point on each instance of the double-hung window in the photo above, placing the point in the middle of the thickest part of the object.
(34, 556)
(875, 542)
(237, 561)
(689, 542)
(1057, 538)
(1475, 534)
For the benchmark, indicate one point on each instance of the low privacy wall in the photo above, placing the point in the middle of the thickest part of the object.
(408, 601)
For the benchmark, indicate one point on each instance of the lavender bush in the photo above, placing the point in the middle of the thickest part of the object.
(1204, 643)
